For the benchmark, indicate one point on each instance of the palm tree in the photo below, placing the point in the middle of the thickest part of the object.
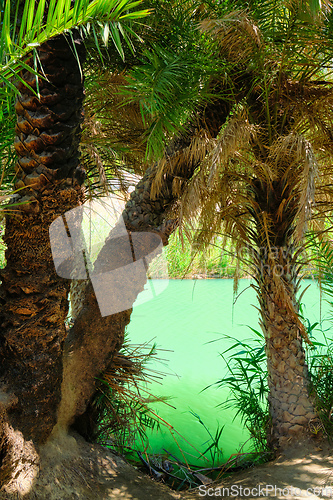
(148, 211)
(254, 167)
(48, 184)
(149, 219)
(257, 181)
(241, 155)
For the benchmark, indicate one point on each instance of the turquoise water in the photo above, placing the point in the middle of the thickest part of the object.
(187, 320)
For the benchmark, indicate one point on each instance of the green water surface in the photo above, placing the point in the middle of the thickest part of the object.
(187, 319)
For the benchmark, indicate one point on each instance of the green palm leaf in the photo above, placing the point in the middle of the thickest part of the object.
(39, 23)
(26, 25)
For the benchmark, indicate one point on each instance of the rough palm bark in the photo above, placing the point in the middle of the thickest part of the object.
(276, 273)
(94, 340)
(33, 297)
(291, 409)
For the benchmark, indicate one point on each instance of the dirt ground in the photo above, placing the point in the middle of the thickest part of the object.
(305, 471)
(73, 469)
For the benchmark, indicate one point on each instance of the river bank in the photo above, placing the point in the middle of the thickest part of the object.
(73, 469)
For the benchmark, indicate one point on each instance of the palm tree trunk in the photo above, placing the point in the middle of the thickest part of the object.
(94, 340)
(291, 409)
(33, 297)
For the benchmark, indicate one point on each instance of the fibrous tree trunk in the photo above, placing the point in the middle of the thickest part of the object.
(33, 297)
(94, 340)
(277, 266)
(291, 409)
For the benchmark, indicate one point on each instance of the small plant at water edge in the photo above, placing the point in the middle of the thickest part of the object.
(247, 383)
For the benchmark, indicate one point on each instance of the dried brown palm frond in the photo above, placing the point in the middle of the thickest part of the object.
(191, 148)
(104, 96)
(214, 207)
(311, 107)
(106, 173)
(236, 34)
(236, 135)
(94, 155)
(122, 401)
(216, 161)
(296, 152)
(257, 203)
(259, 211)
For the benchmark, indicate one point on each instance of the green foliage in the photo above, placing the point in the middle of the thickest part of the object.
(186, 262)
(320, 355)
(320, 361)
(180, 258)
(168, 88)
(248, 48)
(247, 383)
(25, 26)
(125, 420)
(323, 257)
(39, 21)
(171, 76)
(214, 447)
(7, 152)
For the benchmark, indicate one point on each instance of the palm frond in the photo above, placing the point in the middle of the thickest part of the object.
(168, 88)
(112, 144)
(40, 21)
(296, 152)
(236, 34)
